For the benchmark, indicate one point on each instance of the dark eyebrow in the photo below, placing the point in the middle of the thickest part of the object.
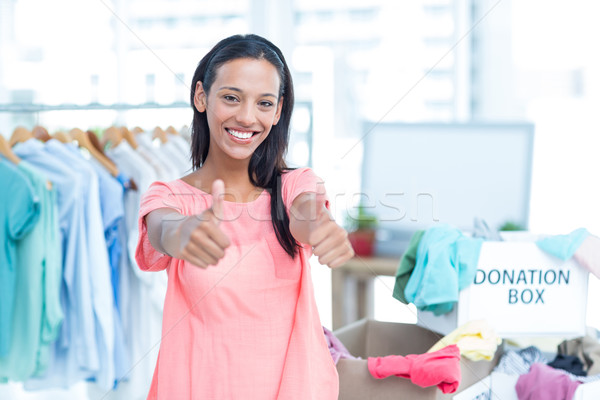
(240, 91)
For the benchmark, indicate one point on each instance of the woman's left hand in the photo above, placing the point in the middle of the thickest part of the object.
(329, 240)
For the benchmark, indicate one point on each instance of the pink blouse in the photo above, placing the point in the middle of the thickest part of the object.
(247, 328)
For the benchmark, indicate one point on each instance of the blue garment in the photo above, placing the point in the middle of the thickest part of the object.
(124, 180)
(74, 355)
(38, 313)
(98, 264)
(19, 214)
(446, 263)
(113, 210)
(563, 246)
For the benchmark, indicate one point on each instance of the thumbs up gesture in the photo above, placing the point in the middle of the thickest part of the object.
(312, 223)
(203, 243)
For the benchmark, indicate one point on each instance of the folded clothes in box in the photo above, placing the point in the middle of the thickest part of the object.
(369, 338)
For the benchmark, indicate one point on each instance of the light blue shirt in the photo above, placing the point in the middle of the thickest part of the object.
(113, 211)
(74, 356)
(111, 204)
(98, 264)
(446, 263)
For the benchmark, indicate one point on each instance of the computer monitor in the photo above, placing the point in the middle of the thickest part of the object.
(417, 175)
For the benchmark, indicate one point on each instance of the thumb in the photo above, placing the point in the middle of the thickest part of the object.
(218, 192)
(321, 199)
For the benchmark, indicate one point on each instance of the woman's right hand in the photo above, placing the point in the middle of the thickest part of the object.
(198, 239)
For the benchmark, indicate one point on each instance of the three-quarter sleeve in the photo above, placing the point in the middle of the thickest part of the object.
(299, 181)
(158, 195)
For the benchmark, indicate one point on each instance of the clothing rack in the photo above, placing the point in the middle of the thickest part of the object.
(34, 108)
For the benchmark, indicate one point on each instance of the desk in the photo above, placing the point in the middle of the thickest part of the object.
(352, 287)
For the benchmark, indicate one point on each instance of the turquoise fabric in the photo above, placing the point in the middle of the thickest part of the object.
(38, 313)
(446, 263)
(19, 214)
(74, 350)
(563, 246)
(406, 267)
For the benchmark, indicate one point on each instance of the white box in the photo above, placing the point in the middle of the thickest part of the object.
(496, 386)
(588, 391)
(520, 290)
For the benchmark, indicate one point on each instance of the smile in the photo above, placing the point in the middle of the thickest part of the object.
(239, 134)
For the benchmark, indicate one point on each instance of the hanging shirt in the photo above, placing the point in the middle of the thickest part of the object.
(18, 215)
(182, 145)
(74, 356)
(162, 174)
(112, 210)
(179, 159)
(101, 288)
(38, 313)
(155, 147)
(247, 328)
(142, 315)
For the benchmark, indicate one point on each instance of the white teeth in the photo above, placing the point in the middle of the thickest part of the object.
(240, 135)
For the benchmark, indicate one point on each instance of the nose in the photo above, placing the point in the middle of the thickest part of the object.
(245, 115)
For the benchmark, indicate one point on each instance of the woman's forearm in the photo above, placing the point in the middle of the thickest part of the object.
(163, 227)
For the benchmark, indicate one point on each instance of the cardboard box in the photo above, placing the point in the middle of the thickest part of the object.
(520, 290)
(369, 338)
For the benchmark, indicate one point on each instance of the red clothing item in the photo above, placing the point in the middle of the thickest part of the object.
(441, 368)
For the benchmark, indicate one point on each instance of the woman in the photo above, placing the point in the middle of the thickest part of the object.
(240, 319)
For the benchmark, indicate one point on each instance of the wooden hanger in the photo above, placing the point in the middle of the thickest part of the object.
(39, 132)
(137, 130)
(161, 134)
(19, 135)
(112, 136)
(6, 150)
(130, 137)
(171, 130)
(96, 143)
(84, 141)
(61, 137)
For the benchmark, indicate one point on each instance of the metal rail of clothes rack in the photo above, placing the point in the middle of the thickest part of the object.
(35, 108)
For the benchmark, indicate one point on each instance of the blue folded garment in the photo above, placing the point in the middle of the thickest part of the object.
(563, 246)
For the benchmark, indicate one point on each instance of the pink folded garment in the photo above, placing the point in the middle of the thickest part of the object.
(588, 255)
(440, 368)
(543, 382)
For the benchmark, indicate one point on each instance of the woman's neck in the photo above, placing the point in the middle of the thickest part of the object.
(234, 174)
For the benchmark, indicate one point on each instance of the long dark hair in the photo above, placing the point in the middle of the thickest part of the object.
(267, 163)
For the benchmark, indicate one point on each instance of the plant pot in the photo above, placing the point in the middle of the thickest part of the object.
(363, 242)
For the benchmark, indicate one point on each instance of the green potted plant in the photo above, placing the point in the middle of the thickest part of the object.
(361, 228)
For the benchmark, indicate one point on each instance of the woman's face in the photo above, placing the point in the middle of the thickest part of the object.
(241, 107)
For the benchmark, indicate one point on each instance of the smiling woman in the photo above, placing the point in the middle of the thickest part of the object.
(240, 282)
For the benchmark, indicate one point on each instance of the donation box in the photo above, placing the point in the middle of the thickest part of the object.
(520, 290)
